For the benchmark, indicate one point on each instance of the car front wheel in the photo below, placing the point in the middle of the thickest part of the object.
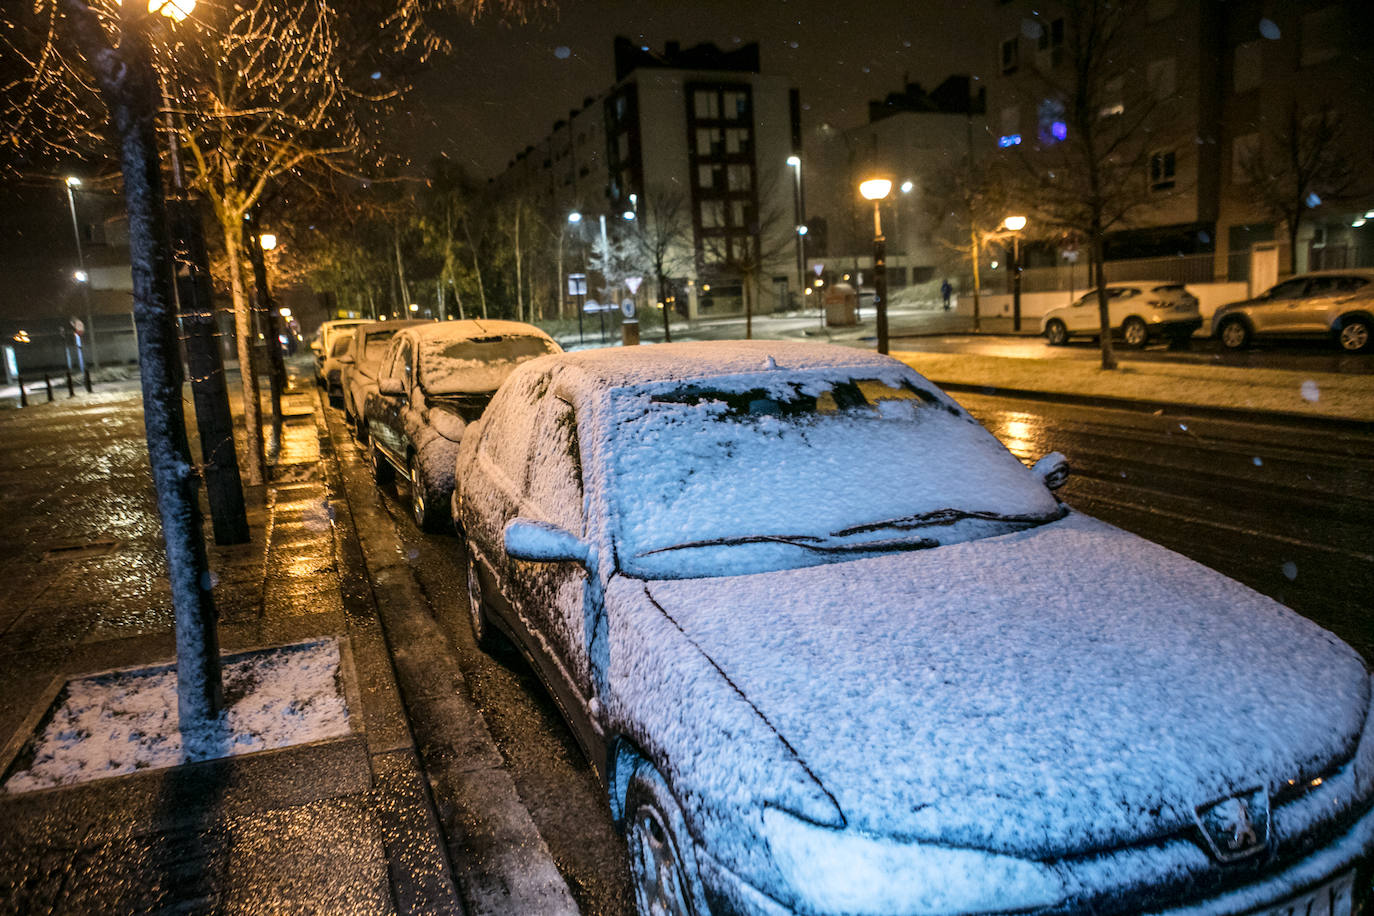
(1134, 333)
(1055, 333)
(1234, 334)
(487, 637)
(662, 864)
(1354, 335)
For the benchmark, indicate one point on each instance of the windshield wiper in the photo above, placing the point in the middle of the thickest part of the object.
(810, 542)
(947, 517)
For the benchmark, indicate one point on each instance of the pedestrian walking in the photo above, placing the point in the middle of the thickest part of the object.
(945, 290)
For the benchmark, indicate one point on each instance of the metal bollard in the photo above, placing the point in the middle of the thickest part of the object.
(71, 389)
(23, 395)
(86, 375)
(47, 382)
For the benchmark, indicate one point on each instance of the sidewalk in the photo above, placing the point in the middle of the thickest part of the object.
(343, 825)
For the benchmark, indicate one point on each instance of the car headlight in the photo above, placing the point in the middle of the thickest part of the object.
(849, 872)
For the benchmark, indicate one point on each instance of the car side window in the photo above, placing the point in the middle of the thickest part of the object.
(398, 366)
(1291, 289)
(1323, 286)
(553, 482)
(1347, 285)
(509, 421)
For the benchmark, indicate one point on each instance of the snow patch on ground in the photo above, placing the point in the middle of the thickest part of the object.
(122, 722)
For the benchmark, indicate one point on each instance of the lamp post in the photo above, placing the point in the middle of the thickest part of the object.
(82, 276)
(1014, 225)
(876, 190)
(578, 290)
(799, 221)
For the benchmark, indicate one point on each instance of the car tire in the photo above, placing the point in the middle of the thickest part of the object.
(1055, 333)
(422, 508)
(488, 638)
(360, 430)
(1353, 337)
(663, 871)
(1234, 334)
(1134, 334)
(382, 471)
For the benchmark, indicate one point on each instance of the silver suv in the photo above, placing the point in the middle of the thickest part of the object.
(1339, 303)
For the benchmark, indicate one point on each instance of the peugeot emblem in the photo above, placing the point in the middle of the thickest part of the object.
(1237, 826)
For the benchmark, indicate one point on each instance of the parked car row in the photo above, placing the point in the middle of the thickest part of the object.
(1334, 304)
(814, 628)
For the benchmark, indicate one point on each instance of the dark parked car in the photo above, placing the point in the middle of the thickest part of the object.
(358, 371)
(435, 379)
(1338, 304)
(834, 650)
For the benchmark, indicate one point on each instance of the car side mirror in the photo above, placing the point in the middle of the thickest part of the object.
(1053, 470)
(390, 386)
(541, 542)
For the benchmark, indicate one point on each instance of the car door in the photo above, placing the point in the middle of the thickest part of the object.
(1082, 315)
(385, 423)
(1312, 313)
(554, 598)
(1275, 311)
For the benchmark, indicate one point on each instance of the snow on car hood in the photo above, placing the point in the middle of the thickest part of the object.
(1062, 689)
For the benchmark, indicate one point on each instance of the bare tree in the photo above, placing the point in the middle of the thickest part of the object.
(1102, 123)
(662, 241)
(769, 245)
(975, 198)
(1296, 166)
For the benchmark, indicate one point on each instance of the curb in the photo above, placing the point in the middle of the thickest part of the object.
(499, 862)
(1166, 408)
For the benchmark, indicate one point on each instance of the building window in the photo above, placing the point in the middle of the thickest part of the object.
(1051, 44)
(738, 177)
(1010, 55)
(1162, 171)
(736, 141)
(1161, 78)
(736, 105)
(706, 176)
(708, 141)
(1052, 126)
(1113, 94)
(1319, 36)
(705, 104)
(739, 214)
(1244, 150)
(622, 147)
(1247, 69)
(712, 214)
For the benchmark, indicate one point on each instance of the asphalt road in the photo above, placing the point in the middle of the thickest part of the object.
(1298, 355)
(1284, 509)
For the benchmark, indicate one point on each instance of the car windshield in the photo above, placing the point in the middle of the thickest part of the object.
(476, 364)
(756, 473)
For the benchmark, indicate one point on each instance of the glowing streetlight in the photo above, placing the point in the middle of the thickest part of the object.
(574, 217)
(628, 216)
(907, 186)
(73, 181)
(1014, 225)
(799, 220)
(414, 306)
(80, 276)
(175, 10)
(285, 312)
(876, 190)
(268, 241)
(794, 161)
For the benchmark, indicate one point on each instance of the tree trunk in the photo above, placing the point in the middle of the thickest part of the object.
(132, 96)
(977, 281)
(519, 281)
(663, 297)
(262, 305)
(401, 275)
(748, 308)
(1104, 316)
(248, 369)
(477, 269)
(1293, 225)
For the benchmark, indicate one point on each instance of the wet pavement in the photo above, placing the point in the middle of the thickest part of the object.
(345, 825)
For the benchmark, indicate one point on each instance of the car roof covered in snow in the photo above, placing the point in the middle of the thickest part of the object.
(472, 327)
(616, 367)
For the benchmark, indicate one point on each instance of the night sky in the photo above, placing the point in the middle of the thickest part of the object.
(505, 84)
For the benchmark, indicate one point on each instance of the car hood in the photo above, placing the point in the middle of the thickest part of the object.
(1063, 689)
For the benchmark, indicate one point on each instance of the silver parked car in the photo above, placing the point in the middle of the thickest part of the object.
(1139, 312)
(834, 650)
(358, 375)
(1327, 303)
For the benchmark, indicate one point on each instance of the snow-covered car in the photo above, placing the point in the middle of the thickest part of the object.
(1139, 312)
(834, 650)
(322, 344)
(358, 377)
(1338, 304)
(340, 353)
(435, 379)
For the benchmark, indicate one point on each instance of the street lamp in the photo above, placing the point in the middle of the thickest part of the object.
(268, 241)
(1014, 225)
(799, 214)
(82, 277)
(876, 190)
(175, 10)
